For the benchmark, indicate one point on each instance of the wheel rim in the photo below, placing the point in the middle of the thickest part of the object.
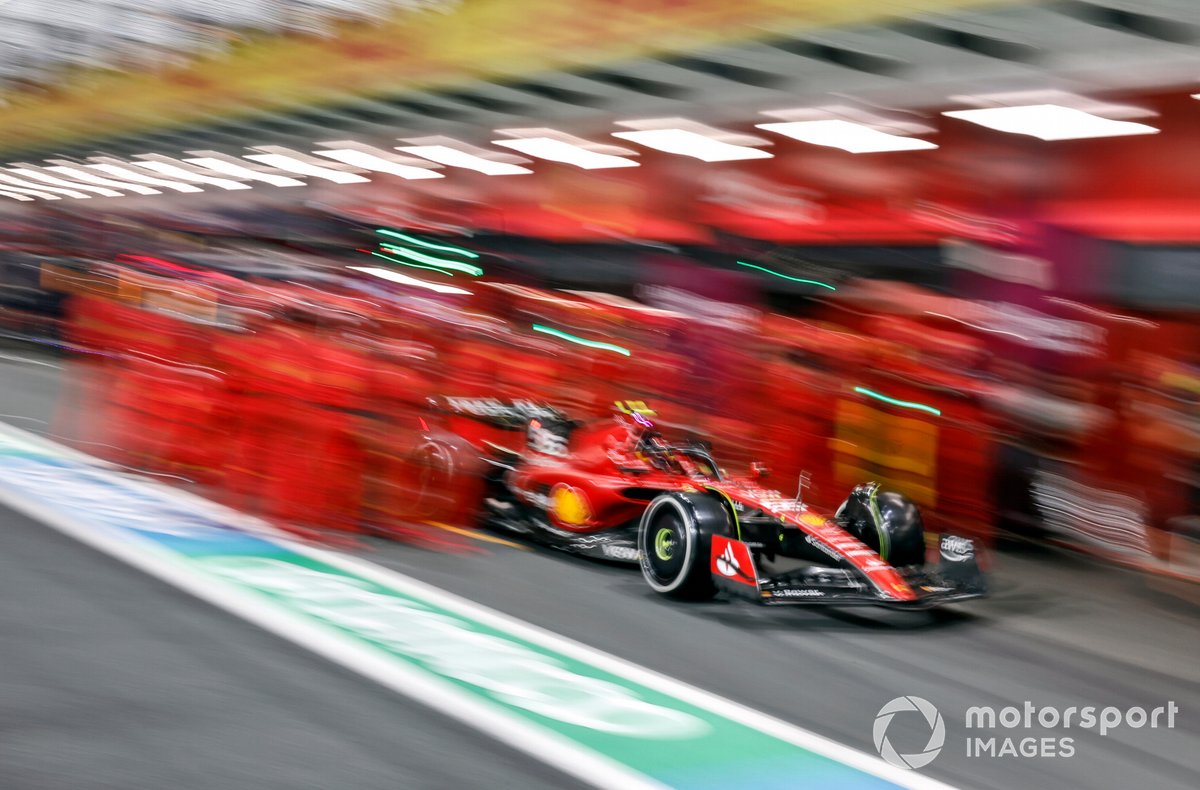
(666, 556)
(664, 544)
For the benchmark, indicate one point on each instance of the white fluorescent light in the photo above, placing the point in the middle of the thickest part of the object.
(693, 144)
(132, 175)
(13, 195)
(231, 169)
(35, 192)
(40, 190)
(183, 174)
(404, 279)
(294, 165)
(453, 157)
(856, 138)
(561, 151)
(625, 304)
(538, 296)
(83, 175)
(1050, 122)
(378, 164)
(37, 175)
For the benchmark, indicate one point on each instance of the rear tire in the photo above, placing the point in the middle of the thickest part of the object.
(447, 482)
(433, 481)
(674, 543)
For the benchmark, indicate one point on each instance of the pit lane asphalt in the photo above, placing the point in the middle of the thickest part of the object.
(1059, 631)
(112, 679)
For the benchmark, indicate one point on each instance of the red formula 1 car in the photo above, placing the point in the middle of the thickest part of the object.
(619, 490)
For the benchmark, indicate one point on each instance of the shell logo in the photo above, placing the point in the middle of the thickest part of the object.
(569, 505)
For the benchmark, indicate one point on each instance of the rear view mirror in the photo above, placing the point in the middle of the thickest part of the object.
(759, 471)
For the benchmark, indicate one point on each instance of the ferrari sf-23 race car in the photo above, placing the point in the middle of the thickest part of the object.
(619, 490)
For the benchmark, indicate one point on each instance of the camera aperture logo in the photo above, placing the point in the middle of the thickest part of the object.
(937, 732)
(1028, 731)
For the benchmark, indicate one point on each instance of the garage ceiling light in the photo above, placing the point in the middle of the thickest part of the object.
(694, 144)
(126, 174)
(538, 296)
(241, 171)
(454, 157)
(404, 279)
(558, 146)
(380, 162)
(34, 191)
(612, 300)
(39, 190)
(856, 138)
(79, 174)
(1050, 122)
(169, 167)
(558, 151)
(294, 165)
(37, 175)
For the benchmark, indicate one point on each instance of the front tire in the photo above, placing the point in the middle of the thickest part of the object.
(674, 542)
(888, 522)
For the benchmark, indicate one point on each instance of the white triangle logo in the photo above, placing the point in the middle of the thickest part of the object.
(727, 564)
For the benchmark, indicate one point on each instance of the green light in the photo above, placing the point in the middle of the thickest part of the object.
(406, 263)
(905, 403)
(787, 276)
(428, 244)
(457, 266)
(580, 340)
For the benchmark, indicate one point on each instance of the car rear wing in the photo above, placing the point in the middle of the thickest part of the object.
(512, 415)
